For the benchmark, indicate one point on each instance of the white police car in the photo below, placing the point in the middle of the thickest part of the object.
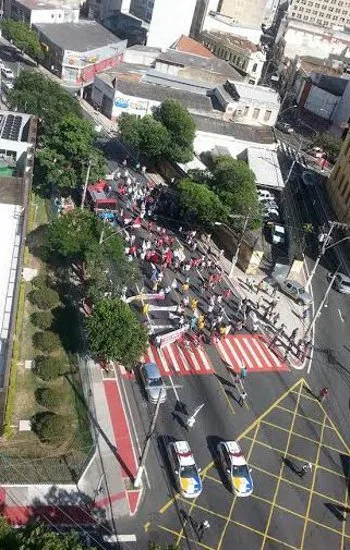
(236, 468)
(185, 469)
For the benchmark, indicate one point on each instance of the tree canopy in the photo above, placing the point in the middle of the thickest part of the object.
(67, 149)
(37, 537)
(23, 37)
(36, 94)
(115, 333)
(181, 129)
(330, 144)
(168, 133)
(71, 235)
(200, 203)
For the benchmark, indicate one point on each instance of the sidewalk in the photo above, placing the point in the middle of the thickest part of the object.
(287, 312)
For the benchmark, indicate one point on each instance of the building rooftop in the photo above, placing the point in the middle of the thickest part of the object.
(213, 65)
(82, 36)
(242, 132)
(231, 41)
(49, 4)
(240, 90)
(160, 93)
(13, 127)
(266, 168)
(310, 64)
(188, 45)
(333, 84)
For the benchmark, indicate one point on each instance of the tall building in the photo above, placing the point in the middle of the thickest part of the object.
(248, 13)
(339, 183)
(166, 19)
(326, 13)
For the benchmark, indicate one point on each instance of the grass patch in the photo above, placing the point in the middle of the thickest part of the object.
(24, 458)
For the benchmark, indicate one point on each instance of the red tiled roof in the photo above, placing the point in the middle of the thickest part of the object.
(188, 45)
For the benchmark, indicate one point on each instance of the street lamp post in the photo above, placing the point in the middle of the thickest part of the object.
(86, 184)
(324, 248)
(236, 254)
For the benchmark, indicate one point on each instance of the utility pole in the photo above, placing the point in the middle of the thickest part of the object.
(293, 163)
(236, 254)
(324, 247)
(86, 184)
(141, 468)
(322, 303)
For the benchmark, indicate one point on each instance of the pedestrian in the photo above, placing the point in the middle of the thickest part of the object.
(200, 322)
(260, 286)
(243, 373)
(193, 322)
(174, 285)
(194, 303)
(227, 293)
(323, 394)
(185, 287)
(242, 397)
(157, 341)
(181, 321)
(219, 299)
(202, 527)
(275, 318)
(307, 467)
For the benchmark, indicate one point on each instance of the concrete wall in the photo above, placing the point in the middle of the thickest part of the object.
(321, 103)
(169, 22)
(312, 40)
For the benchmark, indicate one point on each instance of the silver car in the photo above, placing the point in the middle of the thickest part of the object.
(153, 383)
(296, 291)
(341, 282)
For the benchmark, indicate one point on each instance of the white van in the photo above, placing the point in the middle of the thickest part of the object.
(278, 234)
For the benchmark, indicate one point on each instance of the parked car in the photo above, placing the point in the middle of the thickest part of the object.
(278, 234)
(2, 64)
(271, 214)
(284, 127)
(265, 195)
(185, 469)
(236, 468)
(269, 204)
(341, 282)
(296, 291)
(153, 383)
(7, 73)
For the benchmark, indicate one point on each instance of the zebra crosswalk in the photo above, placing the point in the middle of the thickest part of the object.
(292, 153)
(175, 359)
(251, 351)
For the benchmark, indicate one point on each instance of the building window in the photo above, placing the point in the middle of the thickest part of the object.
(239, 113)
(255, 66)
(246, 111)
(298, 15)
(256, 113)
(314, 12)
(267, 116)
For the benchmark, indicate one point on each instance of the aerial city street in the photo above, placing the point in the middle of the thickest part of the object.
(175, 286)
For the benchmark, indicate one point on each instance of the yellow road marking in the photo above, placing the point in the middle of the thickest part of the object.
(340, 451)
(343, 535)
(306, 396)
(226, 397)
(169, 503)
(337, 431)
(214, 479)
(181, 536)
(281, 471)
(304, 416)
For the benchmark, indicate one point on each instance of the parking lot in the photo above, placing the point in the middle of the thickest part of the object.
(287, 509)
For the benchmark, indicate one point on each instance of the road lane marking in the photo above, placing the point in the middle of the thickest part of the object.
(341, 316)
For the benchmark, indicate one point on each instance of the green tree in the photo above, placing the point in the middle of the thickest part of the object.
(129, 129)
(234, 183)
(200, 203)
(44, 298)
(49, 368)
(51, 428)
(71, 235)
(42, 319)
(181, 128)
(115, 333)
(46, 341)
(37, 94)
(23, 37)
(154, 137)
(53, 170)
(37, 537)
(48, 397)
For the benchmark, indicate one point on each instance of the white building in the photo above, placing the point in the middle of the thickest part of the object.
(305, 39)
(242, 54)
(218, 22)
(248, 104)
(52, 11)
